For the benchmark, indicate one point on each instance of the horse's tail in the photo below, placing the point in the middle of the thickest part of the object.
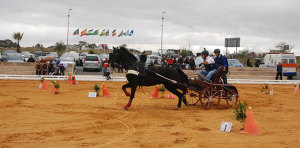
(184, 77)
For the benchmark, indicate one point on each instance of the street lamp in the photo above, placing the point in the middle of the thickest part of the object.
(162, 31)
(68, 29)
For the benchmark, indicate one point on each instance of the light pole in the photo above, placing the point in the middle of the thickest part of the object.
(162, 31)
(68, 29)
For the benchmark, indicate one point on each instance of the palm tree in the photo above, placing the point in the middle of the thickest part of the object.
(18, 37)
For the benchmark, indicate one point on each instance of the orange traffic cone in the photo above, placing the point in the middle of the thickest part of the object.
(171, 96)
(296, 90)
(251, 127)
(44, 85)
(74, 81)
(54, 91)
(155, 93)
(69, 79)
(105, 91)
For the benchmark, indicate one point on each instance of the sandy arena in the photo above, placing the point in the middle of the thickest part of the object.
(30, 117)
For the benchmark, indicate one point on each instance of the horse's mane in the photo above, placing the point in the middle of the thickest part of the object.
(128, 53)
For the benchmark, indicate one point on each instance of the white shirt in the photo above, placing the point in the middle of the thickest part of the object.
(209, 59)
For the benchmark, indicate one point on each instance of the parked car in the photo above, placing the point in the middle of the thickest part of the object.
(4, 54)
(26, 55)
(37, 53)
(153, 58)
(14, 57)
(102, 56)
(68, 60)
(81, 56)
(92, 61)
(73, 54)
(234, 63)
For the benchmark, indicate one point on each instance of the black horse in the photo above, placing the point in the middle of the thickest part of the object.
(139, 75)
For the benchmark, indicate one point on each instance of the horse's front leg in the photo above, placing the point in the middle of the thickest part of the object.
(124, 89)
(133, 89)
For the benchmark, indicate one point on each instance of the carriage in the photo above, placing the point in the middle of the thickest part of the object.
(211, 92)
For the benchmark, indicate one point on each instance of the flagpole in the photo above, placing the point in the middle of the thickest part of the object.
(162, 31)
(68, 29)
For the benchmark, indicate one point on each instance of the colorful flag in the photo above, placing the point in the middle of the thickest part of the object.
(131, 33)
(76, 32)
(107, 32)
(102, 33)
(127, 33)
(90, 32)
(96, 32)
(121, 33)
(114, 33)
(84, 32)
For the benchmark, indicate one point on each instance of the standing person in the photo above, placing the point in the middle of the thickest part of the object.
(279, 71)
(187, 62)
(170, 62)
(104, 66)
(143, 57)
(180, 62)
(30, 59)
(45, 68)
(174, 63)
(192, 63)
(38, 68)
(209, 64)
(221, 61)
(248, 63)
(50, 68)
(62, 69)
(163, 61)
(120, 68)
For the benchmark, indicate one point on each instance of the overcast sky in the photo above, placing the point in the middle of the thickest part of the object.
(260, 24)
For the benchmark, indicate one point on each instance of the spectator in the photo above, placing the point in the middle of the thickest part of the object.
(221, 61)
(38, 68)
(279, 71)
(257, 63)
(170, 62)
(249, 63)
(50, 68)
(174, 63)
(143, 57)
(156, 61)
(180, 62)
(105, 66)
(151, 64)
(192, 63)
(209, 64)
(45, 68)
(30, 59)
(163, 61)
(62, 69)
(187, 62)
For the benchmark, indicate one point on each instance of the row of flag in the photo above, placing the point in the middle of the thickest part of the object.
(103, 33)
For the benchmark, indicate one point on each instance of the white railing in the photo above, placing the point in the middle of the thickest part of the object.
(123, 79)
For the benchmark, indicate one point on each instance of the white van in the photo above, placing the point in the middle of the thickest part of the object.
(287, 60)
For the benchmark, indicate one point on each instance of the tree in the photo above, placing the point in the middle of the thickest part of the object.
(8, 44)
(92, 46)
(81, 44)
(38, 45)
(59, 47)
(184, 53)
(18, 37)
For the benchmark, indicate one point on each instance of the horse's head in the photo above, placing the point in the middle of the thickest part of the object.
(115, 57)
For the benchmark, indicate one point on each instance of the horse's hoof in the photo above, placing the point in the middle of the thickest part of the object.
(176, 108)
(125, 108)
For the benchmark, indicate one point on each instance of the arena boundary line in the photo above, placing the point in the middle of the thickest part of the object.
(123, 79)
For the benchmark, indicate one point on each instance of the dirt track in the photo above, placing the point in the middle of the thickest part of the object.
(30, 117)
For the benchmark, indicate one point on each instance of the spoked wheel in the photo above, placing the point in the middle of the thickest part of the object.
(218, 81)
(207, 97)
(232, 98)
(192, 97)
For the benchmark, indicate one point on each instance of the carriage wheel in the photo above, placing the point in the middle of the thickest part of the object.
(232, 98)
(207, 97)
(192, 97)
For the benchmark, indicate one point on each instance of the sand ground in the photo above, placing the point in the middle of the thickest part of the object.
(30, 117)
